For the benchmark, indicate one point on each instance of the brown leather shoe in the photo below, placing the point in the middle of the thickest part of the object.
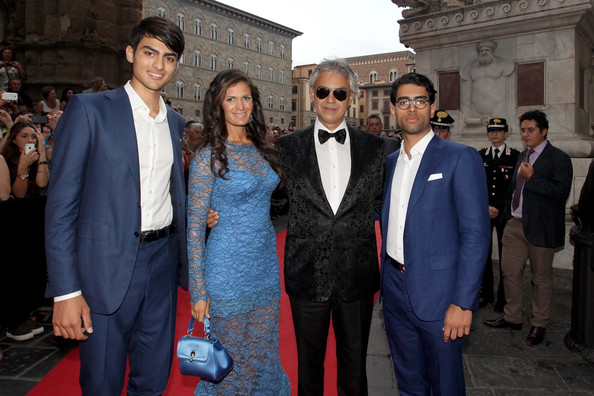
(536, 335)
(501, 323)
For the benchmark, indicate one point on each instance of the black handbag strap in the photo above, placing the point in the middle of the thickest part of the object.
(206, 327)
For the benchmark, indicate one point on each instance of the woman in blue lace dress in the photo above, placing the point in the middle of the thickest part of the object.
(234, 277)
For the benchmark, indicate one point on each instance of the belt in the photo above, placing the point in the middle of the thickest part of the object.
(518, 219)
(398, 265)
(153, 235)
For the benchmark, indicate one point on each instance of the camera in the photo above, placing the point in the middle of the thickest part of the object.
(29, 147)
(38, 119)
(10, 96)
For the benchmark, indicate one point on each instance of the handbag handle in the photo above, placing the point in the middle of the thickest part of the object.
(206, 327)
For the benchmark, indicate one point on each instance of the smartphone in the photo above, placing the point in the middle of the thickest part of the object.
(10, 96)
(37, 119)
(29, 147)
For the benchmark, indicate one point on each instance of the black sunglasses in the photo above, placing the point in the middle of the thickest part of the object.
(340, 94)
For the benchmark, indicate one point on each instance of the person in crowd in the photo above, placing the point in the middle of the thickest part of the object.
(441, 122)
(29, 168)
(430, 286)
(5, 186)
(66, 95)
(9, 68)
(6, 121)
(535, 225)
(49, 102)
(97, 85)
(193, 132)
(499, 161)
(334, 183)
(234, 278)
(15, 85)
(115, 221)
(375, 126)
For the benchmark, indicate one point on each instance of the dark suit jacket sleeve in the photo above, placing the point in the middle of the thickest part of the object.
(555, 184)
(72, 140)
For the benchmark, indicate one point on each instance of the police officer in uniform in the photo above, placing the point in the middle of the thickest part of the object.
(441, 123)
(500, 162)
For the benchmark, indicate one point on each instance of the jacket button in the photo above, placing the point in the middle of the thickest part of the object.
(138, 204)
(136, 234)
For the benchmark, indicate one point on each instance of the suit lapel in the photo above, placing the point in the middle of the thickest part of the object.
(358, 157)
(120, 115)
(431, 157)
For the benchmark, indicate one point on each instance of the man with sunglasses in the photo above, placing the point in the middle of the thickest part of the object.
(430, 285)
(334, 177)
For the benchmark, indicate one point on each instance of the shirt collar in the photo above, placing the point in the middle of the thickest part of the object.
(420, 147)
(318, 125)
(538, 149)
(501, 149)
(137, 103)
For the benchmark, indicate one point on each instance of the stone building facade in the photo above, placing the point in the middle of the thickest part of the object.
(219, 37)
(375, 74)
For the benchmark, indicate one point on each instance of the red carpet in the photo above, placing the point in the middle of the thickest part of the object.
(63, 379)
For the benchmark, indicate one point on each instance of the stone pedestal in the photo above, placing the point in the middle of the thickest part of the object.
(509, 57)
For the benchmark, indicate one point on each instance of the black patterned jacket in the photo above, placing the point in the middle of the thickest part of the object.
(324, 252)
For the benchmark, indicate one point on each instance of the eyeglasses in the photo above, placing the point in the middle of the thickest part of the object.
(420, 102)
(340, 94)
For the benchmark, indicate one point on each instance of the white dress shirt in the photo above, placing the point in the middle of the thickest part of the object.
(334, 163)
(402, 184)
(155, 157)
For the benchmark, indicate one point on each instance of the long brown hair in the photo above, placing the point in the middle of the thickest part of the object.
(215, 130)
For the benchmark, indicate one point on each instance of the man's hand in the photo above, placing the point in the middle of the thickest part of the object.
(200, 310)
(212, 219)
(526, 170)
(493, 212)
(67, 318)
(457, 323)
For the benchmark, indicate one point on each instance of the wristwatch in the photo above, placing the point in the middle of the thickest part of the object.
(23, 177)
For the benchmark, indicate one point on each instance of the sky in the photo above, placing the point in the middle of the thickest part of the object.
(342, 28)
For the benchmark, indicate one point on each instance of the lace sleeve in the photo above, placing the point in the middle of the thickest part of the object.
(200, 188)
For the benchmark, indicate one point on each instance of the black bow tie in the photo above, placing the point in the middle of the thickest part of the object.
(339, 135)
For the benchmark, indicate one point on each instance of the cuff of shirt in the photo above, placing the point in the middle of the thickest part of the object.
(68, 296)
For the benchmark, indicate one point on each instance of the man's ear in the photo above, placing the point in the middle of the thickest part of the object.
(130, 54)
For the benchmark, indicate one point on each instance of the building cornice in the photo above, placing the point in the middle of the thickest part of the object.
(249, 18)
(452, 25)
(388, 57)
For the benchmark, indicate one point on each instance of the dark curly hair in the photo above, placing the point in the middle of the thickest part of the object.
(215, 130)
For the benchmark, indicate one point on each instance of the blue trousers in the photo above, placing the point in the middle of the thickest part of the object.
(423, 362)
(140, 331)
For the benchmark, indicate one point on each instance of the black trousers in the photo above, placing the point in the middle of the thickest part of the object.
(351, 322)
(487, 292)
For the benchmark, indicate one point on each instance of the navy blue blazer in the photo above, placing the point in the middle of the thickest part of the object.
(447, 228)
(93, 208)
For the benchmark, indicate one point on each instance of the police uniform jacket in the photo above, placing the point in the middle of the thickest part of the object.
(500, 171)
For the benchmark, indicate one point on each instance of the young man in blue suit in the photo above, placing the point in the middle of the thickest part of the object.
(435, 232)
(115, 221)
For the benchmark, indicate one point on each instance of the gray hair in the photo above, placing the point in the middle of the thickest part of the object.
(196, 125)
(338, 65)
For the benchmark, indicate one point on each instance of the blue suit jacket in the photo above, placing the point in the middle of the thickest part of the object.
(447, 228)
(93, 207)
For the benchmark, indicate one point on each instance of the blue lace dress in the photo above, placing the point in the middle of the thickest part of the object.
(238, 269)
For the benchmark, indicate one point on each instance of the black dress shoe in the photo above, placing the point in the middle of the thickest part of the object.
(501, 323)
(535, 336)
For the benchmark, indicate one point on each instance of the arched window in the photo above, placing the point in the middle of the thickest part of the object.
(179, 89)
(282, 51)
(213, 62)
(282, 103)
(270, 102)
(230, 63)
(197, 58)
(230, 36)
(282, 77)
(246, 41)
(259, 44)
(372, 77)
(197, 92)
(270, 74)
(393, 75)
(197, 27)
(214, 31)
(181, 21)
(271, 48)
(258, 71)
(246, 68)
(161, 12)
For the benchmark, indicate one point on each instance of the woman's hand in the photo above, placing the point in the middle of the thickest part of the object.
(5, 119)
(40, 145)
(201, 309)
(26, 160)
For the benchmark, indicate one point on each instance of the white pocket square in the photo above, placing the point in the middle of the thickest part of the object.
(435, 176)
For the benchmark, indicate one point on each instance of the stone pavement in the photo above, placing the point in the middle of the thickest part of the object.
(497, 361)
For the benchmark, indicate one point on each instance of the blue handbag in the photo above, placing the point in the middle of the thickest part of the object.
(203, 357)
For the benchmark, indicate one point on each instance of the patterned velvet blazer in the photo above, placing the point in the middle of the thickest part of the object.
(327, 252)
